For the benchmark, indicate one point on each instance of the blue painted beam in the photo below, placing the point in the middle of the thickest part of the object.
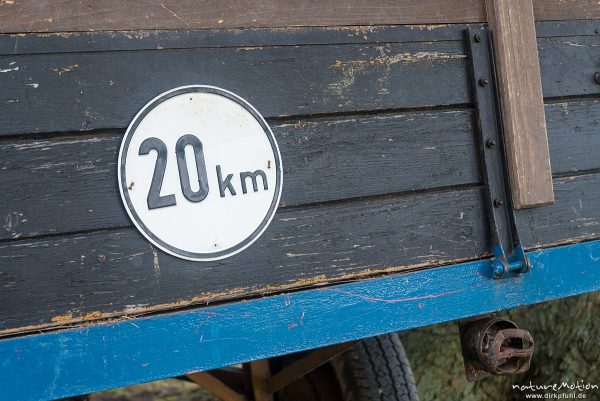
(82, 360)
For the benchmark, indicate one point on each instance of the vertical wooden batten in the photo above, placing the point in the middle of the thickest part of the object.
(261, 373)
(519, 85)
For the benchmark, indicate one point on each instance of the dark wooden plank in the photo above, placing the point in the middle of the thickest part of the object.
(59, 280)
(72, 15)
(62, 182)
(348, 157)
(520, 91)
(43, 93)
(56, 281)
(574, 217)
(73, 42)
(65, 42)
(75, 177)
(546, 29)
(568, 65)
(573, 135)
(324, 160)
(82, 91)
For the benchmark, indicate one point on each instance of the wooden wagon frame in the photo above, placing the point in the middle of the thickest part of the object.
(387, 116)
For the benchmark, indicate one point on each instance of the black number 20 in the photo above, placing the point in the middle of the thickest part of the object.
(155, 200)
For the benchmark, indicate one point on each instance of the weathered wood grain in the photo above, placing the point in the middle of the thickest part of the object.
(66, 279)
(74, 42)
(574, 217)
(82, 91)
(556, 10)
(520, 91)
(573, 137)
(546, 29)
(568, 65)
(65, 184)
(110, 270)
(72, 15)
(57, 281)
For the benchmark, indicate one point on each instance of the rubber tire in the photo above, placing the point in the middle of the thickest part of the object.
(376, 369)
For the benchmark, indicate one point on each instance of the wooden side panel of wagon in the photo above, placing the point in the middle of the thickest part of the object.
(382, 175)
(377, 127)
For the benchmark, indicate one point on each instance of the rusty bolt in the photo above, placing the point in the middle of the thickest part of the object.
(483, 82)
(498, 203)
(490, 143)
(496, 346)
(477, 38)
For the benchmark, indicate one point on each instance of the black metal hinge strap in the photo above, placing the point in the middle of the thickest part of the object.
(509, 255)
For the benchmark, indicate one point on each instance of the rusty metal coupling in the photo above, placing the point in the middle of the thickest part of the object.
(495, 346)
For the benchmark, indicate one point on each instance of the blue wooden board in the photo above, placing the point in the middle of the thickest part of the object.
(83, 360)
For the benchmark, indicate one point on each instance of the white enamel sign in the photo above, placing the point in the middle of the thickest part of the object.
(200, 173)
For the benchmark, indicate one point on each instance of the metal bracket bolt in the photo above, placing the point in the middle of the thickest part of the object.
(490, 143)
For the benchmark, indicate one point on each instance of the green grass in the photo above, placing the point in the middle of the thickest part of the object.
(567, 349)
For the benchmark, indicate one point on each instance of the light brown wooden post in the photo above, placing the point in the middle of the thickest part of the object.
(261, 374)
(519, 84)
(215, 386)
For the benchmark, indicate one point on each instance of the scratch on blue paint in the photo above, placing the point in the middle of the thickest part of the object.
(391, 301)
(58, 364)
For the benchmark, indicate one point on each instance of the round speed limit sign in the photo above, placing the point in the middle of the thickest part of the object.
(200, 173)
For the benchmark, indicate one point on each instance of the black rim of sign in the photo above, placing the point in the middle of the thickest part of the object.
(125, 190)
